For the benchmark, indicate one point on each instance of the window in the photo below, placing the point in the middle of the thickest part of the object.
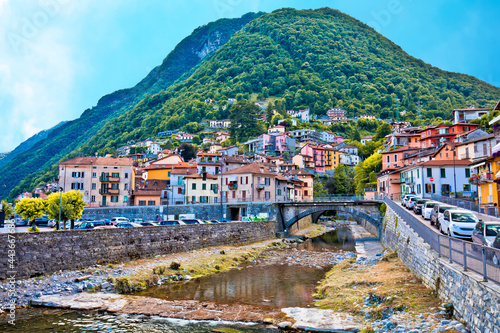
(204, 169)
(246, 180)
(268, 195)
(418, 173)
(93, 186)
(126, 174)
(114, 198)
(193, 198)
(433, 188)
(466, 187)
(77, 186)
(193, 186)
(203, 186)
(268, 181)
(428, 188)
(418, 188)
(125, 199)
(179, 190)
(467, 172)
(429, 172)
(142, 202)
(115, 175)
(92, 198)
(388, 159)
(305, 192)
(94, 175)
(443, 173)
(126, 186)
(168, 175)
(234, 194)
(83, 174)
(151, 202)
(279, 191)
(395, 158)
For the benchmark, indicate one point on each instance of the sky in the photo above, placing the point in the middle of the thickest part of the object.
(58, 57)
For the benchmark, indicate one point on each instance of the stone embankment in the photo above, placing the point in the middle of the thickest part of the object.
(475, 302)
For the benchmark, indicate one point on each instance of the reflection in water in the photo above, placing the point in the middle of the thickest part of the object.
(278, 285)
(44, 320)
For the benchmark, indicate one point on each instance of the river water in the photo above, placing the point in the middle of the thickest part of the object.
(284, 278)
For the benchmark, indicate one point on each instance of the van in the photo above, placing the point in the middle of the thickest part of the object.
(116, 220)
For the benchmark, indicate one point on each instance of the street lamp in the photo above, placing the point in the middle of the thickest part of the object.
(60, 204)
(167, 188)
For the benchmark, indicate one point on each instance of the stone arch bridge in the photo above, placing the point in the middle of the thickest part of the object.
(365, 212)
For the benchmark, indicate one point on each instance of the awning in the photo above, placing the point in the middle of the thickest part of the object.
(495, 148)
(477, 165)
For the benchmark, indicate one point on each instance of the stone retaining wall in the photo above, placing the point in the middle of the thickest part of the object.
(47, 252)
(476, 302)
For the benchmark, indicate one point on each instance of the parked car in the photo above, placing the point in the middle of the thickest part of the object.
(438, 211)
(42, 221)
(405, 199)
(148, 224)
(496, 245)
(138, 220)
(90, 225)
(192, 221)
(485, 233)
(20, 222)
(116, 220)
(105, 227)
(419, 204)
(411, 202)
(427, 209)
(224, 220)
(458, 223)
(51, 223)
(172, 222)
(127, 225)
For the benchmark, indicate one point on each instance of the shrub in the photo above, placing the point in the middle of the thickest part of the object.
(175, 265)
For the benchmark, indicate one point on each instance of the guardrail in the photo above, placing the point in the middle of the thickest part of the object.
(492, 211)
(474, 257)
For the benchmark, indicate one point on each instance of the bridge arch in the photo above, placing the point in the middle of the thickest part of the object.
(316, 210)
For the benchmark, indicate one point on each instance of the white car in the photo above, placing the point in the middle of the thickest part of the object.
(458, 223)
(411, 202)
(405, 199)
(427, 209)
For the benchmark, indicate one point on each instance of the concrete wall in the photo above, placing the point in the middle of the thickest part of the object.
(301, 224)
(477, 302)
(202, 211)
(47, 252)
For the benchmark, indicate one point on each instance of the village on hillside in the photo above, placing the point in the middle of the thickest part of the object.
(456, 158)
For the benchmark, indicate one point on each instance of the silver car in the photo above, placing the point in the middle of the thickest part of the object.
(437, 213)
(485, 232)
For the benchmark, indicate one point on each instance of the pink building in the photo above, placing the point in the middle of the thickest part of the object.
(318, 155)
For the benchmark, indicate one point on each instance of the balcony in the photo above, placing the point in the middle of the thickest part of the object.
(260, 187)
(104, 191)
(232, 186)
(395, 181)
(409, 180)
(109, 179)
(485, 177)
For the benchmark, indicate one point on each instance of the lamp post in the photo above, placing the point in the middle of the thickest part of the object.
(60, 204)
(167, 188)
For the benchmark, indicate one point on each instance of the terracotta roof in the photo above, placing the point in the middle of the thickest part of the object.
(300, 172)
(405, 148)
(87, 160)
(481, 138)
(197, 175)
(280, 177)
(472, 109)
(447, 162)
(250, 168)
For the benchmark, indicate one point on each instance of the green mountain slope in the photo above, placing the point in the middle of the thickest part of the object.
(35, 164)
(310, 58)
(27, 144)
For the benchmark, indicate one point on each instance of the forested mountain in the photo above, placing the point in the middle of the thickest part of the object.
(309, 58)
(27, 144)
(38, 163)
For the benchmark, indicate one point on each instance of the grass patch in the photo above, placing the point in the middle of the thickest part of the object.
(317, 230)
(196, 267)
(389, 285)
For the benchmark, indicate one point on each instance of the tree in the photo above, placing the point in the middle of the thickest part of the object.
(269, 111)
(382, 131)
(168, 145)
(192, 127)
(319, 190)
(31, 208)
(341, 183)
(187, 151)
(7, 209)
(72, 205)
(366, 173)
(243, 116)
(196, 140)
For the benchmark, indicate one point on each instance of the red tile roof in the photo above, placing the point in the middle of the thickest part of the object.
(250, 168)
(88, 160)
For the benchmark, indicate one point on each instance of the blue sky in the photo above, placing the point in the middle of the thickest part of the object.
(58, 57)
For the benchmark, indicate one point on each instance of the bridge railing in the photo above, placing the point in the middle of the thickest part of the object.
(339, 198)
(474, 257)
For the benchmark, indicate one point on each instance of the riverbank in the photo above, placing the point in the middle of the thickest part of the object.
(368, 289)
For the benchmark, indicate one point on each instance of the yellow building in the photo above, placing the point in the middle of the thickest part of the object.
(332, 158)
(487, 177)
(160, 169)
(201, 188)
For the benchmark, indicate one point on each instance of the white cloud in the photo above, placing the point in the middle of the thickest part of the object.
(37, 71)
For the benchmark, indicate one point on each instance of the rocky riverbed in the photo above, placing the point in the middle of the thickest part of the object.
(94, 288)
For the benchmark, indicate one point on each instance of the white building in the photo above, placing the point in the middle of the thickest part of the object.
(220, 123)
(348, 159)
(327, 136)
(303, 115)
(349, 149)
(466, 115)
(437, 177)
